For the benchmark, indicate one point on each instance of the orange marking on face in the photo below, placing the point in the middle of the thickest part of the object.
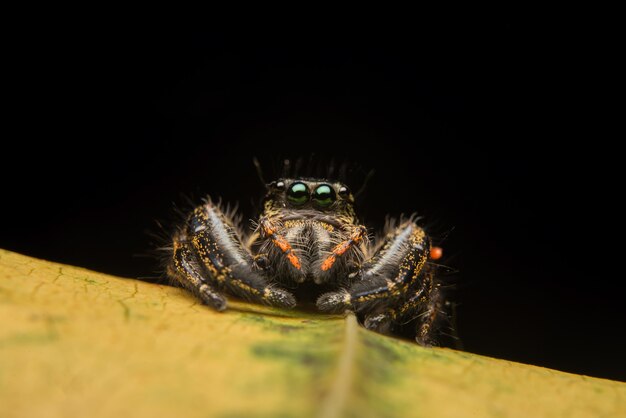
(342, 248)
(268, 229)
(282, 244)
(293, 260)
(328, 263)
(285, 247)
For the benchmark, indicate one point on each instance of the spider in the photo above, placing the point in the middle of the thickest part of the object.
(307, 245)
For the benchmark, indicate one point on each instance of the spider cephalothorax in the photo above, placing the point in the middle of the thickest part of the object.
(308, 237)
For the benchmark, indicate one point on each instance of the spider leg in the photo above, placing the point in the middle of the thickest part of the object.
(387, 275)
(424, 304)
(213, 255)
(186, 271)
(429, 317)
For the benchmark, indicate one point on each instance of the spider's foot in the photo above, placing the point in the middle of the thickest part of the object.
(279, 297)
(334, 301)
(424, 342)
(423, 337)
(212, 298)
(379, 322)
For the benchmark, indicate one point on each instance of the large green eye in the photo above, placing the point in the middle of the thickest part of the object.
(298, 193)
(324, 195)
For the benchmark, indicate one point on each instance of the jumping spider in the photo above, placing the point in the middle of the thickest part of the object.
(308, 240)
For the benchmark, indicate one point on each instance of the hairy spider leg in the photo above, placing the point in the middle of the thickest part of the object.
(186, 271)
(425, 303)
(227, 263)
(408, 247)
(432, 312)
(407, 308)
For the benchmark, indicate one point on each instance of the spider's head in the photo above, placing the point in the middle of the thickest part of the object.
(309, 195)
(310, 217)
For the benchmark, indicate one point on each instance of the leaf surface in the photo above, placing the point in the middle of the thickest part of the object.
(76, 343)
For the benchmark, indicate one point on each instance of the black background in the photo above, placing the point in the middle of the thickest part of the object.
(486, 131)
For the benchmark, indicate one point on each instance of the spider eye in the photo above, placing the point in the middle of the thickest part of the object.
(298, 193)
(324, 195)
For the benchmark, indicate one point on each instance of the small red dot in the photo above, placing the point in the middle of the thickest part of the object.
(436, 253)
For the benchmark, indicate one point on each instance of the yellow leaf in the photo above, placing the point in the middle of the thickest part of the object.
(76, 343)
